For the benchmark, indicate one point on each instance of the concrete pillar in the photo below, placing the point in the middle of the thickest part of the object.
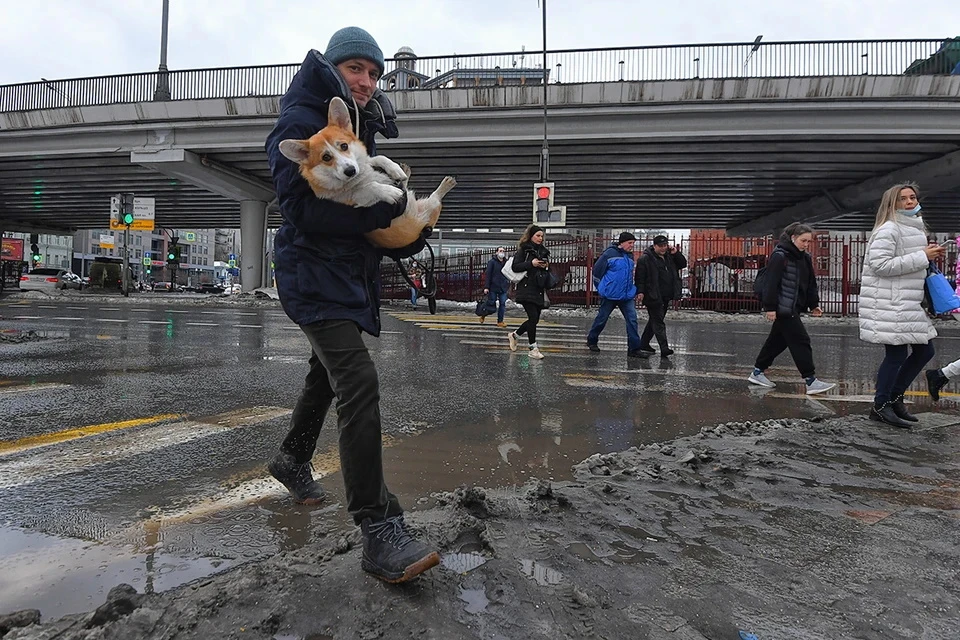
(253, 232)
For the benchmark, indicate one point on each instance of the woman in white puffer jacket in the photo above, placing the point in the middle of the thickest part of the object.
(891, 290)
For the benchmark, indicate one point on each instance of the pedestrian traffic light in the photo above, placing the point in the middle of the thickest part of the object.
(35, 253)
(125, 214)
(545, 213)
(173, 254)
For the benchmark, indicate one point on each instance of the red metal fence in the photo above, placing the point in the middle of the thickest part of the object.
(719, 276)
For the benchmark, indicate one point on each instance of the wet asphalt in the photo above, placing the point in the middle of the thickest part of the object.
(172, 410)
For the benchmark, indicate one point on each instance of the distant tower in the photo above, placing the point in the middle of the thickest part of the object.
(404, 75)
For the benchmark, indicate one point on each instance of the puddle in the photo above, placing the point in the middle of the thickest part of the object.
(582, 551)
(639, 534)
(544, 575)
(625, 554)
(476, 600)
(462, 562)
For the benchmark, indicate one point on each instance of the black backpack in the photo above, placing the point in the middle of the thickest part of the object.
(760, 283)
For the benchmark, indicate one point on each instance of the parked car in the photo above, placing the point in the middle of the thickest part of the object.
(44, 279)
(209, 287)
(71, 280)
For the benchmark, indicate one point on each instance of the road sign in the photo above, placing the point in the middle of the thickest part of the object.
(231, 263)
(143, 214)
(106, 241)
(147, 262)
(188, 236)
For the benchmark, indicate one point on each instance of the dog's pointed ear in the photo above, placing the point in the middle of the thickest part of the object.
(338, 115)
(296, 150)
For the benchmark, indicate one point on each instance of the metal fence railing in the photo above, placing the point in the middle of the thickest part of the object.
(719, 276)
(672, 62)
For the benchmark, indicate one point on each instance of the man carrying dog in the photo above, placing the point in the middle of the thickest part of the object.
(328, 278)
(658, 282)
(614, 272)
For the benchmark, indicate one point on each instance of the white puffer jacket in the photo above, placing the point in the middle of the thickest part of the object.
(891, 288)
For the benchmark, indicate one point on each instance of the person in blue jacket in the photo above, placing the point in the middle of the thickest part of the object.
(614, 272)
(497, 284)
(328, 279)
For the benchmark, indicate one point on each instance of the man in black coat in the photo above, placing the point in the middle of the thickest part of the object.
(658, 282)
(328, 279)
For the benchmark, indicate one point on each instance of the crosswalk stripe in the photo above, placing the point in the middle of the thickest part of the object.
(42, 440)
(30, 388)
(85, 453)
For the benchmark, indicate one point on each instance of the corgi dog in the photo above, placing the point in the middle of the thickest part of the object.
(337, 167)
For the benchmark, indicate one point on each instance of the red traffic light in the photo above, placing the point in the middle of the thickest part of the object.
(543, 192)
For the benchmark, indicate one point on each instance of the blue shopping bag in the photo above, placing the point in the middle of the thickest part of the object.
(942, 296)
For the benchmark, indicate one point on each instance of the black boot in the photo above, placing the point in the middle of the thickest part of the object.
(935, 381)
(297, 478)
(391, 553)
(884, 413)
(900, 409)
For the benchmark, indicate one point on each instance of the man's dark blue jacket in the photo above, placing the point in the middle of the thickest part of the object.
(325, 268)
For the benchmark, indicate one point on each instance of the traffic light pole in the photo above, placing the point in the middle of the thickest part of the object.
(545, 151)
(125, 274)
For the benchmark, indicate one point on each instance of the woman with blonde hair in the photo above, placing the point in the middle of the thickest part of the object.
(891, 292)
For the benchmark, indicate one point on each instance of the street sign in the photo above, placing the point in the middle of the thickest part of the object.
(147, 262)
(106, 241)
(143, 214)
(188, 236)
(231, 263)
(157, 263)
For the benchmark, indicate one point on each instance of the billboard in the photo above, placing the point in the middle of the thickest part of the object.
(11, 249)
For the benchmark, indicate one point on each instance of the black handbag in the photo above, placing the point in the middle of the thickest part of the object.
(485, 306)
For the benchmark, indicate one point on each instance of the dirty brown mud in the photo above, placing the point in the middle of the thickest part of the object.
(786, 529)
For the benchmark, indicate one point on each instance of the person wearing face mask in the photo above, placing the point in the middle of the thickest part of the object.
(497, 284)
(891, 293)
(790, 288)
(534, 259)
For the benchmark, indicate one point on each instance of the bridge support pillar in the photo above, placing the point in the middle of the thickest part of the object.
(253, 235)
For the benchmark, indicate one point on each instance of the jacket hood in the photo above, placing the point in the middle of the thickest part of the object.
(790, 248)
(318, 82)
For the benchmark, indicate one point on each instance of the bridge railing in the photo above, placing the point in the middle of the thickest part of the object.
(567, 66)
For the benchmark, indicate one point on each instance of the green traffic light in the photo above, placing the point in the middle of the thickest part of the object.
(170, 256)
(128, 218)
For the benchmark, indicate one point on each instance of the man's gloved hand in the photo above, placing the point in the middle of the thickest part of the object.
(383, 213)
(411, 249)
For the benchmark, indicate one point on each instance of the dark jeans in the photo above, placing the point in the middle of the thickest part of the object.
(788, 332)
(530, 324)
(502, 306)
(656, 326)
(341, 368)
(898, 371)
(629, 312)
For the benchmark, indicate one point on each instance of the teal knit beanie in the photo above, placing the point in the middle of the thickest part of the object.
(353, 42)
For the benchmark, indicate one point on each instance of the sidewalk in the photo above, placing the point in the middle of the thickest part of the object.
(788, 529)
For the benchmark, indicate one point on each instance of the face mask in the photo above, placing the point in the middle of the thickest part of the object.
(910, 212)
(501, 255)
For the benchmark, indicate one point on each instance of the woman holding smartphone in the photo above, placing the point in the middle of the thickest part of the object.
(533, 258)
(891, 292)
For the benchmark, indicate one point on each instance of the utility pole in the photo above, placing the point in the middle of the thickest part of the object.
(162, 91)
(545, 151)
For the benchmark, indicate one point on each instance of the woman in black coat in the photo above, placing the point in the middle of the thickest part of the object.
(532, 258)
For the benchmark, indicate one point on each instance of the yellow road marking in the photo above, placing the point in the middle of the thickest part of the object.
(32, 442)
(949, 394)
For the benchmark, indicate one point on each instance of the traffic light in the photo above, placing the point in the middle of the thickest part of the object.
(545, 213)
(126, 208)
(35, 253)
(173, 254)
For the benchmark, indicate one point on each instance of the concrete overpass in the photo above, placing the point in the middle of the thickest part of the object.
(747, 154)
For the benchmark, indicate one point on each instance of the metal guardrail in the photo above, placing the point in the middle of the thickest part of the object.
(567, 66)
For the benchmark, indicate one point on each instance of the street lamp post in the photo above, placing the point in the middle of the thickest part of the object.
(162, 91)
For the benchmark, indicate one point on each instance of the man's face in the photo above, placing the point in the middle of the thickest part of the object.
(661, 249)
(628, 245)
(361, 76)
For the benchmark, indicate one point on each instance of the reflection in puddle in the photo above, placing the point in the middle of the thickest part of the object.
(544, 575)
(462, 562)
(476, 600)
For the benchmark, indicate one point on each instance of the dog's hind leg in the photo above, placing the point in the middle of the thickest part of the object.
(429, 208)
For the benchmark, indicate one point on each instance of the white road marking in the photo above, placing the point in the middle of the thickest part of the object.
(45, 307)
(174, 311)
(111, 320)
(111, 309)
(248, 326)
(203, 324)
(30, 388)
(75, 455)
(70, 319)
(153, 322)
(26, 317)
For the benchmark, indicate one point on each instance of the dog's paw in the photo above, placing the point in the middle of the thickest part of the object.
(385, 165)
(389, 193)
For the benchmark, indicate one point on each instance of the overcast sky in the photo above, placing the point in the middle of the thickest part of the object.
(74, 38)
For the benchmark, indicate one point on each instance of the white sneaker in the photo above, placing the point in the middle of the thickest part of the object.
(535, 354)
(512, 337)
(761, 379)
(818, 386)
